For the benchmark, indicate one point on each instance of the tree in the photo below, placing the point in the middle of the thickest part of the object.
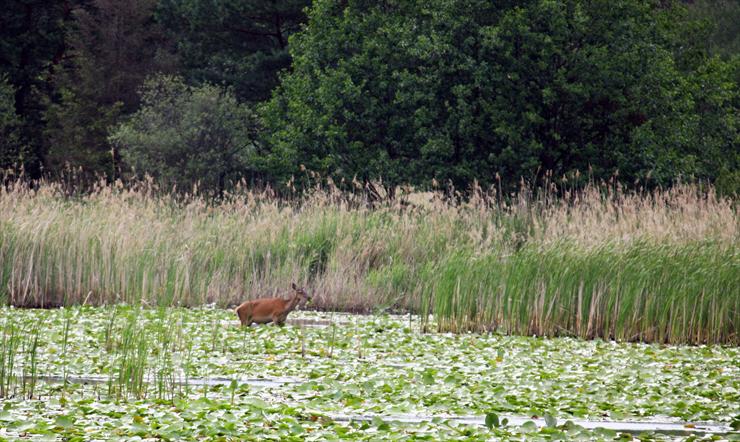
(31, 46)
(12, 151)
(183, 135)
(722, 18)
(716, 104)
(113, 46)
(242, 43)
(468, 89)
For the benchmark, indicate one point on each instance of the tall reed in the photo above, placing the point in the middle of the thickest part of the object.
(599, 262)
(10, 344)
(18, 358)
(130, 361)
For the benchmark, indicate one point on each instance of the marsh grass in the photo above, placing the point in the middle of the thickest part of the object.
(30, 367)
(65, 341)
(131, 357)
(18, 359)
(10, 343)
(601, 262)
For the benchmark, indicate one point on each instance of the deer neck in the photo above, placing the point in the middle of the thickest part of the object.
(293, 302)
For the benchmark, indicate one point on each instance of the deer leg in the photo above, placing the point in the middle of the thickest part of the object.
(240, 315)
(278, 320)
(245, 316)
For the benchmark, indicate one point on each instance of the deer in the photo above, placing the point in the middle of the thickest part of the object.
(266, 310)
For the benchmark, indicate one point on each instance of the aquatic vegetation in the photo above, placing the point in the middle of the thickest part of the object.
(174, 373)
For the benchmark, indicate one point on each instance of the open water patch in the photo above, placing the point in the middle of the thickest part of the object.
(297, 322)
(255, 382)
(633, 427)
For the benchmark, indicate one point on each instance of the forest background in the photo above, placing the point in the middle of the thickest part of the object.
(274, 92)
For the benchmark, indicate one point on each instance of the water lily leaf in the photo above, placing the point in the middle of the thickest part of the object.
(20, 426)
(550, 421)
(64, 421)
(428, 376)
(380, 424)
(257, 403)
(492, 420)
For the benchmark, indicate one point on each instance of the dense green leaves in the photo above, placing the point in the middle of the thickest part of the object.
(184, 135)
(457, 90)
(719, 18)
(32, 44)
(11, 147)
(113, 47)
(407, 91)
(242, 43)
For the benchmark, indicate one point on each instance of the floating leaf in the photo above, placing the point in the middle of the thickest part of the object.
(550, 421)
(492, 420)
(428, 376)
(380, 424)
(64, 421)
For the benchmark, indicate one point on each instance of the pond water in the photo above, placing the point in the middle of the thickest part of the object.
(139, 372)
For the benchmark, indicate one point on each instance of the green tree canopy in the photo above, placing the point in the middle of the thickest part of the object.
(241, 43)
(112, 47)
(183, 135)
(721, 18)
(12, 151)
(31, 45)
(467, 89)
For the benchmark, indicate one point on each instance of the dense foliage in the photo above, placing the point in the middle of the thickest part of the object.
(411, 91)
(407, 91)
(10, 143)
(239, 42)
(185, 135)
(112, 48)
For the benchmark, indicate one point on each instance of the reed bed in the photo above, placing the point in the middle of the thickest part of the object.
(601, 262)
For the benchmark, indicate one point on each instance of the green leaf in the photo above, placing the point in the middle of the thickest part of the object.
(492, 420)
(428, 376)
(380, 424)
(550, 420)
(257, 403)
(64, 421)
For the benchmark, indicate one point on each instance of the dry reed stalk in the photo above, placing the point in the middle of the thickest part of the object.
(138, 245)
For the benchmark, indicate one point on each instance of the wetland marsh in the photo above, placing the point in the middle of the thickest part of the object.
(193, 373)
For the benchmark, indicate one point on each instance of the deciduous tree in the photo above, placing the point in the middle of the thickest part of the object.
(241, 43)
(468, 89)
(114, 45)
(184, 135)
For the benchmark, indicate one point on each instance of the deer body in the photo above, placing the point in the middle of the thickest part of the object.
(275, 310)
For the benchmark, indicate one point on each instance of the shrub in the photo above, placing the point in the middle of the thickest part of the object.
(183, 135)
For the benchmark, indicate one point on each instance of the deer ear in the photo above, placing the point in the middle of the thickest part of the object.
(294, 287)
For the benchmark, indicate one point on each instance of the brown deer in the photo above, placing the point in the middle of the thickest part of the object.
(275, 310)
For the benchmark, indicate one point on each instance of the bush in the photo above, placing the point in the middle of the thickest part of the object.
(183, 135)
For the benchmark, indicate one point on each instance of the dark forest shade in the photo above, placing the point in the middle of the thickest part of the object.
(243, 43)
(407, 91)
